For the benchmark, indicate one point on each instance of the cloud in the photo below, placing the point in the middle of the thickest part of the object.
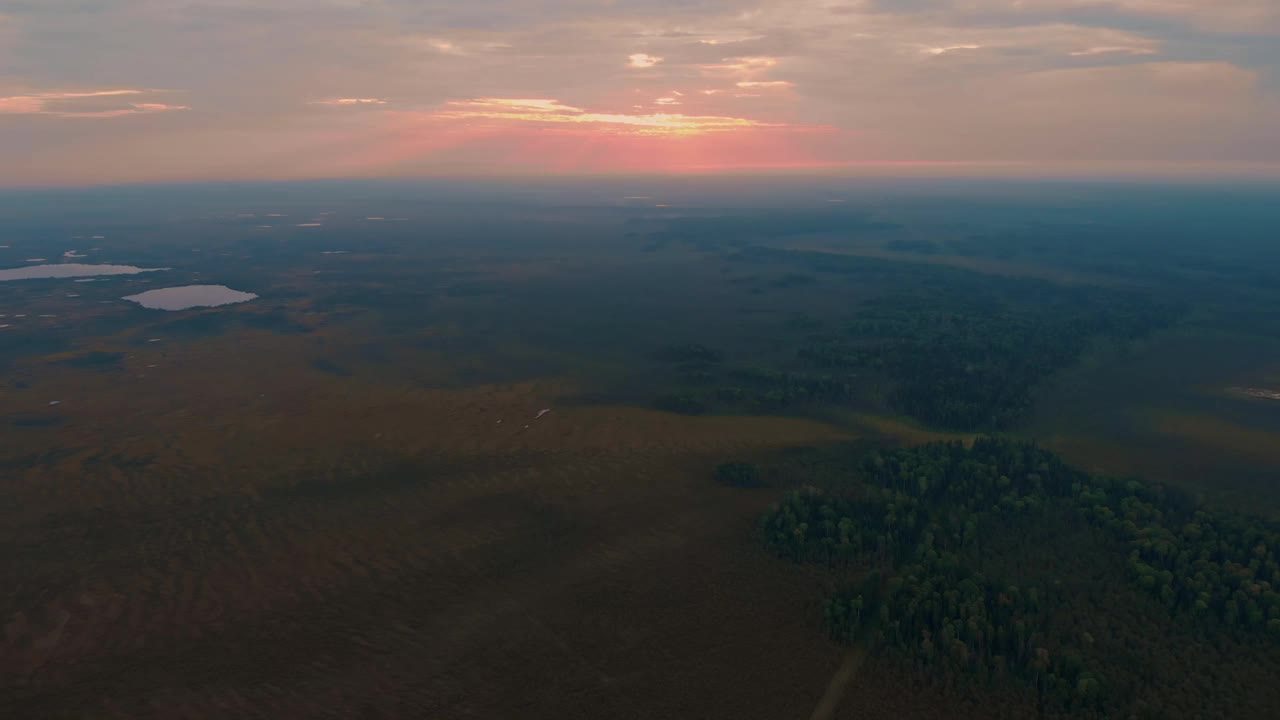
(1113, 50)
(81, 104)
(1219, 16)
(1026, 41)
(445, 46)
(133, 109)
(949, 48)
(1249, 16)
(642, 60)
(350, 102)
(742, 65)
(355, 85)
(553, 112)
(764, 84)
(519, 104)
(1152, 114)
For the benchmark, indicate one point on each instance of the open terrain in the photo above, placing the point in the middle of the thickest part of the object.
(464, 465)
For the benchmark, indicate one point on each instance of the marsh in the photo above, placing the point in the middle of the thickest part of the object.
(300, 450)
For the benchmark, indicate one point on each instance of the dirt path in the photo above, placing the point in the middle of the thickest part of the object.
(839, 682)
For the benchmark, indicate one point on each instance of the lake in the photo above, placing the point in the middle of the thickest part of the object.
(69, 270)
(190, 296)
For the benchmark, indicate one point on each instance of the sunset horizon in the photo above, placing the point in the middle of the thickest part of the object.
(661, 359)
(123, 92)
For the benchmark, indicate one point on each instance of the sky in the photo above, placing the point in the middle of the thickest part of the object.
(156, 91)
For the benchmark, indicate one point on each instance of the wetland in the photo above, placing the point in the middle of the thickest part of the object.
(525, 450)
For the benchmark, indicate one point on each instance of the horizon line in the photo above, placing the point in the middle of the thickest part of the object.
(1173, 173)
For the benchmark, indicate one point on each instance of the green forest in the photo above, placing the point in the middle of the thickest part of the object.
(949, 348)
(998, 564)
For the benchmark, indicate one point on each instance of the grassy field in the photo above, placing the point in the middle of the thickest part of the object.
(284, 544)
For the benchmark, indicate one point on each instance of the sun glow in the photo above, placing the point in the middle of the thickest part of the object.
(544, 135)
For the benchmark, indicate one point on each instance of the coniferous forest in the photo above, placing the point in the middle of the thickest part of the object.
(946, 551)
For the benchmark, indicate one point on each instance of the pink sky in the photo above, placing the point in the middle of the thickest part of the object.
(118, 91)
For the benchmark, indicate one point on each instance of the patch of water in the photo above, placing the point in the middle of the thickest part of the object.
(69, 270)
(190, 296)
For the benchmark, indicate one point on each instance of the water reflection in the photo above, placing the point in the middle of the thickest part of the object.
(190, 296)
(69, 270)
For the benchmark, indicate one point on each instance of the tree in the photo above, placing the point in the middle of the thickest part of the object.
(739, 474)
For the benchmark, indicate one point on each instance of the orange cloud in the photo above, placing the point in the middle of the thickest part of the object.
(36, 103)
(642, 60)
(526, 104)
(765, 84)
(348, 102)
(551, 111)
(741, 65)
(21, 105)
(133, 109)
(949, 48)
(1113, 50)
(40, 104)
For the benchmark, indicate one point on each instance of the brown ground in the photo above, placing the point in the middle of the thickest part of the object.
(274, 542)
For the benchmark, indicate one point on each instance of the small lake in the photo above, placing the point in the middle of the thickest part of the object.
(69, 270)
(190, 296)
